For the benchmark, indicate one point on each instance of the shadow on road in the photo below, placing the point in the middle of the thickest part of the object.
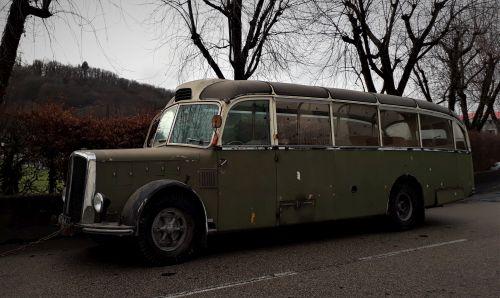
(122, 254)
(118, 252)
(306, 233)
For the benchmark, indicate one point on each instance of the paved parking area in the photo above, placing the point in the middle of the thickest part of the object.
(456, 253)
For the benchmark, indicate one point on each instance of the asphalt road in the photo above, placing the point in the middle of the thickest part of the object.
(456, 253)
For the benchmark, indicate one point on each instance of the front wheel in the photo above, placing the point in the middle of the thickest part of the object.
(405, 207)
(166, 233)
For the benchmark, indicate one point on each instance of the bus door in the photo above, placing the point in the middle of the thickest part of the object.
(246, 168)
(304, 185)
(303, 162)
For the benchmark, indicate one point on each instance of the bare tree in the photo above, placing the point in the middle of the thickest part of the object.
(464, 70)
(384, 40)
(14, 28)
(234, 35)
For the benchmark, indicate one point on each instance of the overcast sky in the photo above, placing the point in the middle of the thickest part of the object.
(121, 38)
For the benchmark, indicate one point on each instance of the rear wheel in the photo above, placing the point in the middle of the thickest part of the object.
(405, 207)
(167, 232)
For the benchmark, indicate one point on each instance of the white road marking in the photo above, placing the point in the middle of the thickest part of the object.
(232, 284)
(291, 273)
(393, 253)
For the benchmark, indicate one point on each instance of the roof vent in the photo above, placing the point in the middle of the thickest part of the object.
(183, 94)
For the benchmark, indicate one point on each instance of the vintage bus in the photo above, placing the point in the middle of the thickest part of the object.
(232, 155)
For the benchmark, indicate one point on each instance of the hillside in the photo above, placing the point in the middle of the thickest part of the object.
(84, 88)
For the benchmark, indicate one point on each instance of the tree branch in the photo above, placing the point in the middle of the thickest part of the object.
(42, 12)
(195, 36)
(220, 9)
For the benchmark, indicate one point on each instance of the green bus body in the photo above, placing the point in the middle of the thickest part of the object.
(254, 184)
(245, 187)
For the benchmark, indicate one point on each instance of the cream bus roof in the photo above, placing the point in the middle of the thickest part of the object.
(228, 90)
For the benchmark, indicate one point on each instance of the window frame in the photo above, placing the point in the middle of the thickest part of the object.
(465, 133)
(150, 136)
(183, 103)
(402, 110)
(158, 117)
(376, 105)
(442, 116)
(230, 106)
(272, 99)
(325, 101)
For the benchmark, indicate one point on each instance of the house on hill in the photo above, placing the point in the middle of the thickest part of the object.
(489, 126)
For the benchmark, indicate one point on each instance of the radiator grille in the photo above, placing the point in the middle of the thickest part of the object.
(75, 188)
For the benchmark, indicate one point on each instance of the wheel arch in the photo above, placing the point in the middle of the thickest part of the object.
(152, 192)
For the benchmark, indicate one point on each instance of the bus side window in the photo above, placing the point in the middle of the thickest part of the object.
(247, 123)
(399, 129)
(355, 125)
(303, 123)
(460, 141)
(436, 132)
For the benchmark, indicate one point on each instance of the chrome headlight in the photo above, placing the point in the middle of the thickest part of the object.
(98, 202)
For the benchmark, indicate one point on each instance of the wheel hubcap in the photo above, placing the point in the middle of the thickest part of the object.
(404, 207)
(169, 229)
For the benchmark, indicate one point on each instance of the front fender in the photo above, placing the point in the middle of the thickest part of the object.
(134, 207)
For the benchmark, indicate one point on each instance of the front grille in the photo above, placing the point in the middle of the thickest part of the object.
(75, 187)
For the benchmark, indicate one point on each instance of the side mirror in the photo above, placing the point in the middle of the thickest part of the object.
(216, 121)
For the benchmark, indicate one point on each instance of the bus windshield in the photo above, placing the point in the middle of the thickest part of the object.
(186, 124)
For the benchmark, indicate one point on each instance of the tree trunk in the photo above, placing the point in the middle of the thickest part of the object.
(238, 62)
(12, 33)
(10, 171)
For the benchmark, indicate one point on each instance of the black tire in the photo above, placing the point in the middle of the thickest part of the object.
(148, 243)
(405, 208)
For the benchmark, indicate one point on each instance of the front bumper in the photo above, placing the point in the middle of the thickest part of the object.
(102, 228)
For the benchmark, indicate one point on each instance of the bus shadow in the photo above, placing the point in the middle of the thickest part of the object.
(122, 253)
(305, 233)
(119, 252)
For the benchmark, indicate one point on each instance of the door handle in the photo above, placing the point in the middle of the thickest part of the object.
(222, 162)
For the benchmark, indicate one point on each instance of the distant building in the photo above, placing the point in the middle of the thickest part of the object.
(489, 126)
